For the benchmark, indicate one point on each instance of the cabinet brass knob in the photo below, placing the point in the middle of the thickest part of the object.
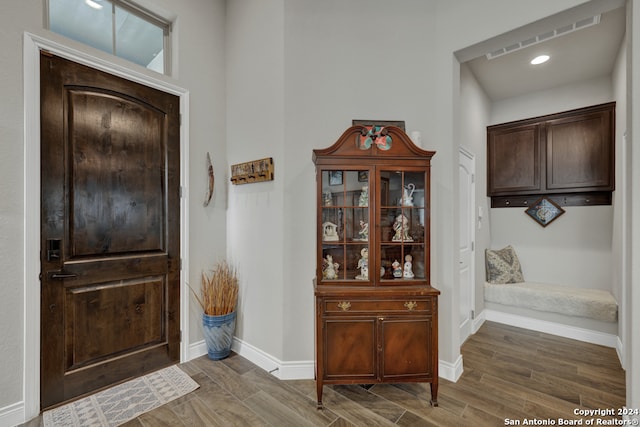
(410, 305)
(344, 305)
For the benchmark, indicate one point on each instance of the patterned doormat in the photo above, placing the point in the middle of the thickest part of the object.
(119, 404)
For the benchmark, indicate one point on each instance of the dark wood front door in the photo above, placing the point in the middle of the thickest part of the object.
(110, 234)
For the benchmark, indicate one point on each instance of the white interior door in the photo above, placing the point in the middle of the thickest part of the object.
(467, 236)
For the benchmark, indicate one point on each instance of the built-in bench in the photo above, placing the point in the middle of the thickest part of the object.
(579, 313)
(567, 300)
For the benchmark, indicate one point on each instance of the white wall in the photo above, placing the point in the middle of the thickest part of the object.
(567, 97)
(28, 15)
(632, 290)
(202, 72)
(575, 250)
(256, 217)
(342, 63)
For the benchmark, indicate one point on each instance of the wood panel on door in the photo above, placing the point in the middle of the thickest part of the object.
(110, 232)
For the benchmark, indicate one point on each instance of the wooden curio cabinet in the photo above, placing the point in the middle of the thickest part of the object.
(376, 312)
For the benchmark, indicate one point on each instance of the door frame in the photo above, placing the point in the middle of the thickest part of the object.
(462, 151)
(32, 44)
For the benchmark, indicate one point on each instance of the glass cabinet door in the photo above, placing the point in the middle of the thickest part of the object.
(403, 234)
(345, 225)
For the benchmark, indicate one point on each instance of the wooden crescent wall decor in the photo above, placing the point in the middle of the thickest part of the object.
(211, 181)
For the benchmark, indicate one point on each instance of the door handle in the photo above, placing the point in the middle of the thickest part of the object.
(61, 275)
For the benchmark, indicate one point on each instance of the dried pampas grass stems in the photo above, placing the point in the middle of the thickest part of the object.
(219, 290)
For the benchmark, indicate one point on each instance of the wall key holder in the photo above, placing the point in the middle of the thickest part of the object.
(254, 171)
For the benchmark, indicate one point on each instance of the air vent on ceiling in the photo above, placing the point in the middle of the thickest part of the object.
(566, 29)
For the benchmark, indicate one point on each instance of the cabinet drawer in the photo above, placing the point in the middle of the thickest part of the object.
(404, 305)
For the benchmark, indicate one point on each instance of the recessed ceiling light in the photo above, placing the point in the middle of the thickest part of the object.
(539, 59)
(93, 4)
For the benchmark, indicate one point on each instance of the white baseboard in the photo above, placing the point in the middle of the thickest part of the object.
(12, 415)
(196, 350)
(450, 371)
(297, 370)
(573, 332)
(303, 369)
(478, 322)
(620, 351)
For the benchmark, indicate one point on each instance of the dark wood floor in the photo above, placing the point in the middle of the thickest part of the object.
(509, 374)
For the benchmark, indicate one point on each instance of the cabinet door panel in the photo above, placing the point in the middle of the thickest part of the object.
(403, 226)
(406, 346)
(350, 348)
(580, 152)
(513, 157)
(344, 230)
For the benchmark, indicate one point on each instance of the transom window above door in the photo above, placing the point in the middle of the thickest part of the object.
(118, 27)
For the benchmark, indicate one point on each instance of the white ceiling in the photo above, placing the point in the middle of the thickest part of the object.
(580, 55)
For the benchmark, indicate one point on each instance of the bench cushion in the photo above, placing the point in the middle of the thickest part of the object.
(571, 301)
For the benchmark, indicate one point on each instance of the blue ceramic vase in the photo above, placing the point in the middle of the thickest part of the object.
(218, 334)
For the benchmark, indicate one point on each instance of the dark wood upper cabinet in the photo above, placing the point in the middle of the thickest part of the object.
(514, 160)
(568, 156)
